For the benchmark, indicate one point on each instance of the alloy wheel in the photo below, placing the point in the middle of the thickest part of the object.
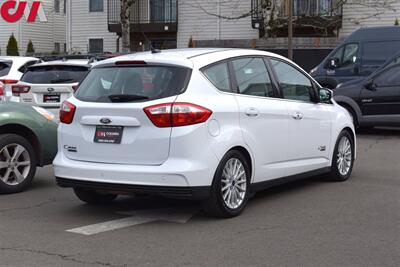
(344, 156)
(15, 164)
(233, 183)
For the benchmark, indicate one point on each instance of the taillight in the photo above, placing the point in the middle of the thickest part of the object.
(8, 81)
(67, 112)
(177, 114)
(2, 92)
(19, 89)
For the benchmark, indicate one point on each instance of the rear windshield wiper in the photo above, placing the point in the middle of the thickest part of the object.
(126, 98)
(62, 81)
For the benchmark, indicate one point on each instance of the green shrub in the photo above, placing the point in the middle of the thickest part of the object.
(12, 46)
(30, 50)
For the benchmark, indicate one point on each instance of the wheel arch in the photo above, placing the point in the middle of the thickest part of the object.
(247, 155)
(348, 102)
(28, 134)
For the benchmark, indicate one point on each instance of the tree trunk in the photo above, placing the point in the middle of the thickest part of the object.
(126, 9)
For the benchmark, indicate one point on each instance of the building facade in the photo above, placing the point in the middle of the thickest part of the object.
(93, 26)
(47, 36)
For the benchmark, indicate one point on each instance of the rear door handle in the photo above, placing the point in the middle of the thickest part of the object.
(297, 116)
(251, 112)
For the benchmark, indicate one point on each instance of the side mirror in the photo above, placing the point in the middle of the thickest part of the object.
(325, 95)
(370, 85)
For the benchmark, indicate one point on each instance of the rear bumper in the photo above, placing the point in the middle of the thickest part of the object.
(175, 178)
(198, 192)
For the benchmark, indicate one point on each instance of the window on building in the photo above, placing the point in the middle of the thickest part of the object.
(57, 48)
(96, 6)
(65, 7)
(95, 46)
(65, 48)
(57, 6)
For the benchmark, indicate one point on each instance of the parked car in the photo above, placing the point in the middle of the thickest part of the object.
(209, 124)
(11, 70)
(47, 84)
(358, 56)
(28, 138)
(373, 100)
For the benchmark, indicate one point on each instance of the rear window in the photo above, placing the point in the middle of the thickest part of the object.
(132, 83)
(5, 67)
(54, 74)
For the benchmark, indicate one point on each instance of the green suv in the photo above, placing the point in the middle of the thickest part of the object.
(28, 138)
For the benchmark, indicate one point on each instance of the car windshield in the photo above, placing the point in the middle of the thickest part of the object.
(132, 83)
(54, 74)
(5, 67)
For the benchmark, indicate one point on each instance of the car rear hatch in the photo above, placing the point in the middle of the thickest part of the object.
(49, 85)
(110, 125)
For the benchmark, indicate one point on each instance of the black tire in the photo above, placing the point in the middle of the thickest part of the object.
(215, 205)
(94, 197)
(335, 174)
(7, 186)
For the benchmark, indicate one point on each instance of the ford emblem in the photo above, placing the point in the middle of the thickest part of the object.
(105, 121)
(50, 89)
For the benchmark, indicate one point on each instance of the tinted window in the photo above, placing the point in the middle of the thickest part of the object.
(151, 82)
(389, 77)
(54, 74)
(346, 55)
(252, 77)
(350, 54)
(219, 76)
(293, 83)
(96, 46)
(95, 5)
(5, 67)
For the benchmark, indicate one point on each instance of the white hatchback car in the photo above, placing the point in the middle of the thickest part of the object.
(48, 84)
(210, 124)
(11, 70)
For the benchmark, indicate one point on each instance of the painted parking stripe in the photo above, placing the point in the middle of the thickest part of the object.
(136, 218)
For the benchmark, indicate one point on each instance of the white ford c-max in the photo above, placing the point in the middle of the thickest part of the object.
(209, 124)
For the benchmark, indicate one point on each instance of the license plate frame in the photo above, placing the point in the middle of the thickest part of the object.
(107, 134)
(52, 98)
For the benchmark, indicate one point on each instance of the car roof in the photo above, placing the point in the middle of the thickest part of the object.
(189, 57)
(375, 33)
(72, 62)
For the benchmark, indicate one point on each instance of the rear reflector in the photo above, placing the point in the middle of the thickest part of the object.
(177, 114)
(7, 81)
(19, 89)
(67, 112)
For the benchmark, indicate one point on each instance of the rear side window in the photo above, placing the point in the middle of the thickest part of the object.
(132, 83)
(252, 77)
(5, 67)
(219, 76)
(54, 74)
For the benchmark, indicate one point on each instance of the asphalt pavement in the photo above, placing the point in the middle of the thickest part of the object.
(306, 223)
